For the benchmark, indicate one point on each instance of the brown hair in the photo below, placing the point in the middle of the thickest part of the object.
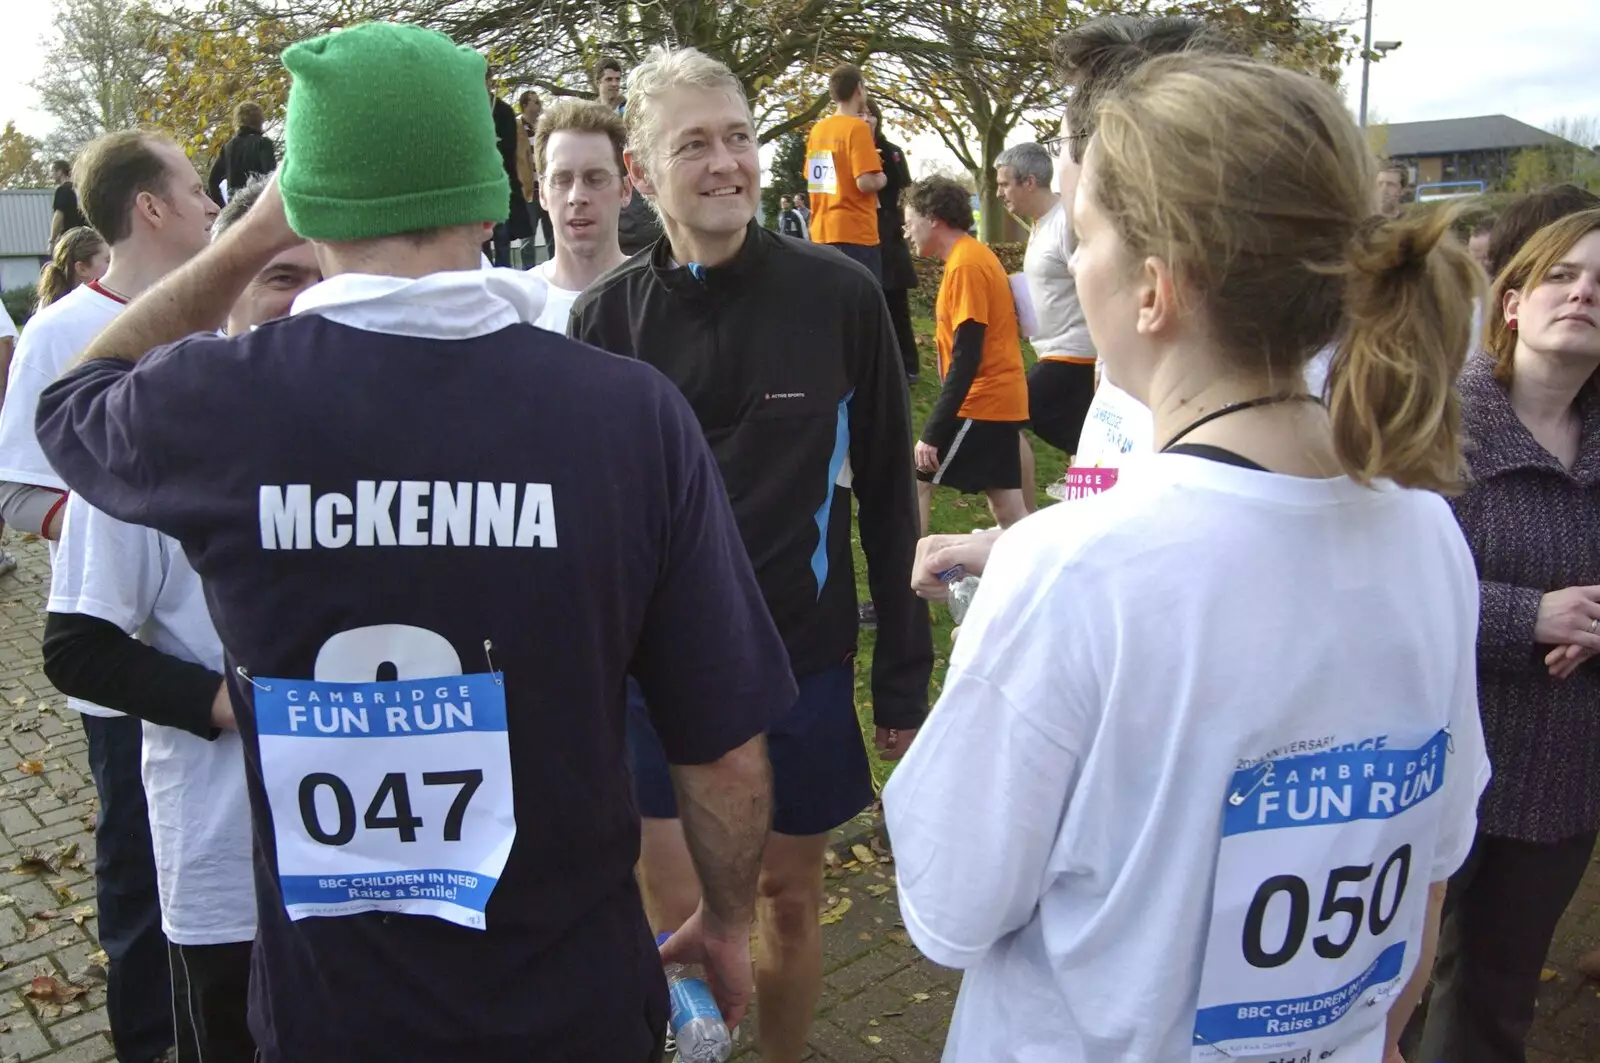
(248, 117)
(579, 116)
(941, 199)
(60, 274)
(1399, 169)
(1268, 229)
(844, 82)
(608, 63)
(1528, 214)
(1526, 270)
(113, 171)
(1096, 57)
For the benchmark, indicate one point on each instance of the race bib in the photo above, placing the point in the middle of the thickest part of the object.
(820, 176)
(1081, 483)
(1320, 894)
(388, 796)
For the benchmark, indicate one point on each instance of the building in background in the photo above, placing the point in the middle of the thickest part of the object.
(24, 236)
(1463, 149)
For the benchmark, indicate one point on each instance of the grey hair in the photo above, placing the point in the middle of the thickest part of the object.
(1027, 160)
(239, 205)
(663, 71)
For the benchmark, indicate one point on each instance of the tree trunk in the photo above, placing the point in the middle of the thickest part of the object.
(991, 226)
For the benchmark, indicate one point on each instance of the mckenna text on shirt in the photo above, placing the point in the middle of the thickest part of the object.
(439, 513)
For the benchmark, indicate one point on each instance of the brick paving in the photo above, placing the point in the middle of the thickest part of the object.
(881, 1002)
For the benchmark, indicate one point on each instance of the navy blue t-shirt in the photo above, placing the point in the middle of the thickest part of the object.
(516, 489)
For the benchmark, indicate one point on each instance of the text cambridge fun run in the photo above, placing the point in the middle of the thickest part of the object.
(404, 711)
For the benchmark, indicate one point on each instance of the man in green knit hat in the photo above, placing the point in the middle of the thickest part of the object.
(430, 606)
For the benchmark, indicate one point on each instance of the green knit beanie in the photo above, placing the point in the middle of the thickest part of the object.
(389, 131)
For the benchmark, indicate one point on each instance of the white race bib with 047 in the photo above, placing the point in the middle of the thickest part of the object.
(820, 176)
(1320, 895)
(387, 796)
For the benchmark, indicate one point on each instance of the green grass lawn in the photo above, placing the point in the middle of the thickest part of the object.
(952, 512)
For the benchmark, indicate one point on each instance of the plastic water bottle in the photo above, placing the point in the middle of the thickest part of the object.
(696, 1021)
(962, 588)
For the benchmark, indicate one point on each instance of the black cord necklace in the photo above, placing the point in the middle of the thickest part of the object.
(1235, 407)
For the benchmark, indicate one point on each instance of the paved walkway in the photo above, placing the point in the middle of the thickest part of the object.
(881, 1002)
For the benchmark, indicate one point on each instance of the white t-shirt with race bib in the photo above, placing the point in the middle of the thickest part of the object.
(1206, 821)
(140, 580)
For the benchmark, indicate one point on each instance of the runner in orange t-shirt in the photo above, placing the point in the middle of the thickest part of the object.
(844, 173)
(971, 439)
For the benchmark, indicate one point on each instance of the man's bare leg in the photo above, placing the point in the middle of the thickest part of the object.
(788, 950)
(666, 875)
(1007, 507)
(1030, 487)
(789, 953)
(924, 503)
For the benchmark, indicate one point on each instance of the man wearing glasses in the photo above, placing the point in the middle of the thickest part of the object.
(577, 147)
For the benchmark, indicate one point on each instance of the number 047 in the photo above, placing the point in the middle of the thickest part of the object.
(392, 788)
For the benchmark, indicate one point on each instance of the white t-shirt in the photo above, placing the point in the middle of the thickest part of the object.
(1058, 824)
(557, 303)
(8, 328)
(140, 580)
(1062, 328)
(54, 337)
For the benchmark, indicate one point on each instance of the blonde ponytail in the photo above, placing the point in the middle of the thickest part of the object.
(60, 274)
(1408, 296)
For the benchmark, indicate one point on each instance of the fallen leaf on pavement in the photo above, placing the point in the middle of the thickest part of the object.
(835, 913)
(31, 767)
(1548, 974)
(863, 854)
(878, 890)
(80, 914)
(46, 989)
(874, 1039)
(34, 862)
(921, 998)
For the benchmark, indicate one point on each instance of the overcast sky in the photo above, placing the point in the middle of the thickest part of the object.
(1458, 58)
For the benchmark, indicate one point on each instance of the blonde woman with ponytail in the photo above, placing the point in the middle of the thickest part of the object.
(80, 257)
(1213, 819)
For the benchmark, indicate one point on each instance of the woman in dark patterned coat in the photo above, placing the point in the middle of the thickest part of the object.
(1531, 408)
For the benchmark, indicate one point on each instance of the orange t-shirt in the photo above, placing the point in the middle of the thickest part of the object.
(839, 150)
(975, 288)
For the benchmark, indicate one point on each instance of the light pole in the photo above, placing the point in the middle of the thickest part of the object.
(1368, 46)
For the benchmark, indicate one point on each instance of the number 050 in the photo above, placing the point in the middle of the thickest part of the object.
(1353, 906)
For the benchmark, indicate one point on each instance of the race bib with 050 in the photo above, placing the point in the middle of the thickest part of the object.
(1319, 899)
(388, 796)
(820, 176)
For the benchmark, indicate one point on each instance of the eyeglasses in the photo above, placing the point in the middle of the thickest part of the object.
(594, 180)
(1054, 144)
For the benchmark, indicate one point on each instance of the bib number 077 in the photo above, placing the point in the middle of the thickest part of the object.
(1377, 914)
(392, 788)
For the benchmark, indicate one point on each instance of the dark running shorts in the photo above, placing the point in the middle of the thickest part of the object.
(820, 775)
(869, 256)
(1059, 394)
(984, 456)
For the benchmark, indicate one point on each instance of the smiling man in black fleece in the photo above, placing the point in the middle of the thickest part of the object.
(794, 397)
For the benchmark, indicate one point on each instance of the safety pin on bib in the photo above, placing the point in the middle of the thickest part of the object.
(487, 646)
(1264, 778)
(252, 680)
